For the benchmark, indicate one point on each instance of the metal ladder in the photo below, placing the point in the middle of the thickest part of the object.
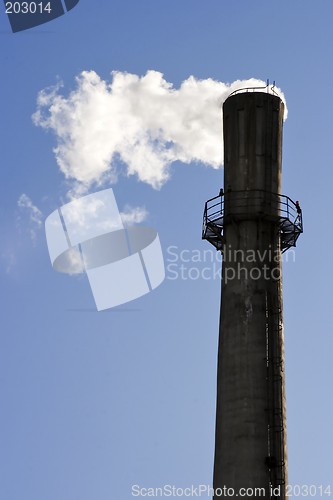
(275, 460)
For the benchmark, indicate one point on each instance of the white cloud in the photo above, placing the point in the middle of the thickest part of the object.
(35, 216)
(133, 215)
(8, 260)
(91, 215)
(144, 122)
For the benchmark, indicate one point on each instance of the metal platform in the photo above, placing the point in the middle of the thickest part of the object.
(252, 205)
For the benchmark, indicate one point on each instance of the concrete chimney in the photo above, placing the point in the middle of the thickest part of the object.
(251, 223)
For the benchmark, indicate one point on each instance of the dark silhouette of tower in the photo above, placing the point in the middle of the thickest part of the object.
(252, 224)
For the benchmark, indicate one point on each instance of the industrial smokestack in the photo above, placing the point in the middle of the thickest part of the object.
(251, 223)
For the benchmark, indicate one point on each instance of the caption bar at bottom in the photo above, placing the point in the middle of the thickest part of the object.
(205, 490)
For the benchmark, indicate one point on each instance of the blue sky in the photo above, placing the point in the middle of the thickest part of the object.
(92, 403)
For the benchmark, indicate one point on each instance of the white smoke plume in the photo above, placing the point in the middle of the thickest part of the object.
(140, 123)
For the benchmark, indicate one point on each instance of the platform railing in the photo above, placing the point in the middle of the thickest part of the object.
(268, 87)
(250, 204)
